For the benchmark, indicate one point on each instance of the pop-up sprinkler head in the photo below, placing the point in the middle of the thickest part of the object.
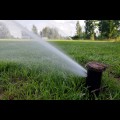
(94, 76)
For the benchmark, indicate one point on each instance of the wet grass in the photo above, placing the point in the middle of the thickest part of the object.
(24, 78)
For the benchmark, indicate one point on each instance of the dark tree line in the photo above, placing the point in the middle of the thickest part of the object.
(108, 29)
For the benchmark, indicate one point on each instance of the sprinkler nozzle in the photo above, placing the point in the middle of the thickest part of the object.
(94, 76)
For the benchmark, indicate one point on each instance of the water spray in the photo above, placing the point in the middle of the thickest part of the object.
(70, 64)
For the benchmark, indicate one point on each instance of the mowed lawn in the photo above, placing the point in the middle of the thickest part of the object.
(22, 77)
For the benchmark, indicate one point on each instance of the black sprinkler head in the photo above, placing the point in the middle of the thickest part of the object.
(94, 76)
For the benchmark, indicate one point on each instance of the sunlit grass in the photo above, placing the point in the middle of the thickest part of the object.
(23, 77)
(14, 40)
(111, 40)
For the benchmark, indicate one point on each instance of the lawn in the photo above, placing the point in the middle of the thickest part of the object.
(23, 76)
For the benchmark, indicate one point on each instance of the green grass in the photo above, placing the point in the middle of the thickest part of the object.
(23, 77)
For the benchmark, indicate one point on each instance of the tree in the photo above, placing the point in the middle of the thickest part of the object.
(78, 29)
(40, 33)
(117, 28)
(51, 33)
(34, 29)
(4, 32)
(109, 28)
(90, 26)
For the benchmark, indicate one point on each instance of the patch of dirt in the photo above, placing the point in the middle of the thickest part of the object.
(118, 78)
(1, 93)
(1, 96)
(15, 79)
(11, 97)
(114, 76)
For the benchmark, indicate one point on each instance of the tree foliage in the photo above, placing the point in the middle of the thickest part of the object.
(4, 32)
(78, 29)
(50, 33)
(90, 26)
(79, 33)
(109, 29)
(34, 29)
